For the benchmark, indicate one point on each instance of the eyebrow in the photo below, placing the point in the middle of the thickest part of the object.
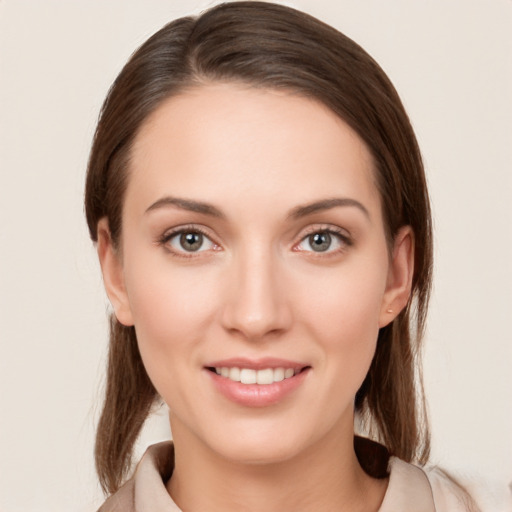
(187, 204)
(296, 213)
(326, 204)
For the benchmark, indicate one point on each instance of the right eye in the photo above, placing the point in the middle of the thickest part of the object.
(188, 241)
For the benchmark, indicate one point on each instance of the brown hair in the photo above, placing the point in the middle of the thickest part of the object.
(269, 46)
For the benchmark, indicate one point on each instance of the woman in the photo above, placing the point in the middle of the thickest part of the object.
(258, 200)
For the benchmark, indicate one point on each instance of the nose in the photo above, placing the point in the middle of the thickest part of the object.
(256, 304)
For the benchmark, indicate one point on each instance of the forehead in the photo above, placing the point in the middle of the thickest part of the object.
(221, 139)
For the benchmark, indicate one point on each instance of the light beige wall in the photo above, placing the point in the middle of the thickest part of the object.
(451, 62)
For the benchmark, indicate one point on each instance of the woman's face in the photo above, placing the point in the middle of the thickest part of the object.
(253, 246)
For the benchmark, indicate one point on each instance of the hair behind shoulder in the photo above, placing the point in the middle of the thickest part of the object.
(269, 46)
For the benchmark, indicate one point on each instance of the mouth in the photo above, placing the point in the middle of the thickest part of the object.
(262, 376)
(258, 382)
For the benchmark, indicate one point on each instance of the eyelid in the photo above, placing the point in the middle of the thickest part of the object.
(171, 233)
(341, 234)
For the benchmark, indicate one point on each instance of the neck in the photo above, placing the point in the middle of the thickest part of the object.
(325, 477)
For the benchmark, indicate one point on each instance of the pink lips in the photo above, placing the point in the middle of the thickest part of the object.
(257, 395)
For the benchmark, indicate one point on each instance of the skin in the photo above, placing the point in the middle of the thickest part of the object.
(256, 288)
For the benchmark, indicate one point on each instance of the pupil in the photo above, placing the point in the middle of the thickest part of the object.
(320, 241)
(191, 241)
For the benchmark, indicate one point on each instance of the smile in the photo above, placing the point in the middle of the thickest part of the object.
(257, 383)
(263, 376)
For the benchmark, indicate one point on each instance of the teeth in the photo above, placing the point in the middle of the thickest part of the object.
(279, 374)
(234, 374)
(250, 376)
(265, 376)
(247, 376)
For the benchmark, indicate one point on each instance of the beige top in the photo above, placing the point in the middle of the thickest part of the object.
(410, 488)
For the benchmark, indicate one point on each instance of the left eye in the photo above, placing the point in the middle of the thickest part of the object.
(321, 241)
(190, 241)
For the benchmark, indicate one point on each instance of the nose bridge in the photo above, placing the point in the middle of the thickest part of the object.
(256, 305)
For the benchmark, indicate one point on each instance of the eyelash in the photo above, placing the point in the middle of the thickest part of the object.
(343, 238)
(169, 235)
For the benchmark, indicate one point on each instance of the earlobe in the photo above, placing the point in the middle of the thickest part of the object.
(113, 277)
(399, 282)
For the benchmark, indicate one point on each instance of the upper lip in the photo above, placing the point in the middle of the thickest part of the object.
(256, 364)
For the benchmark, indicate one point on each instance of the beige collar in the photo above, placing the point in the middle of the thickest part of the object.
(408, 490)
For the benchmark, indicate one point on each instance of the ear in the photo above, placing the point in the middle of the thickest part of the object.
(399, 283)
(113, 276)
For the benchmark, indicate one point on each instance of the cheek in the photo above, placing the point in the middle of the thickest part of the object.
(164, 295)
(171, 311)
(341, 310)
(344, 300)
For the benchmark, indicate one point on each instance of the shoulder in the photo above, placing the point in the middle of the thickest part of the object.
(470, 492)
(449, 494)
(145, 490)
(408, 489)
(122, 501)
(426, 489)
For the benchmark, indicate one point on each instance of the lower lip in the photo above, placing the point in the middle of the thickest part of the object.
(257, 395)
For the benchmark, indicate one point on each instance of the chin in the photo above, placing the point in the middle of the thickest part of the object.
(262, 442)
(261, 452)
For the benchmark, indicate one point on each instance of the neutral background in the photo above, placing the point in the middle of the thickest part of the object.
(451, 61)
